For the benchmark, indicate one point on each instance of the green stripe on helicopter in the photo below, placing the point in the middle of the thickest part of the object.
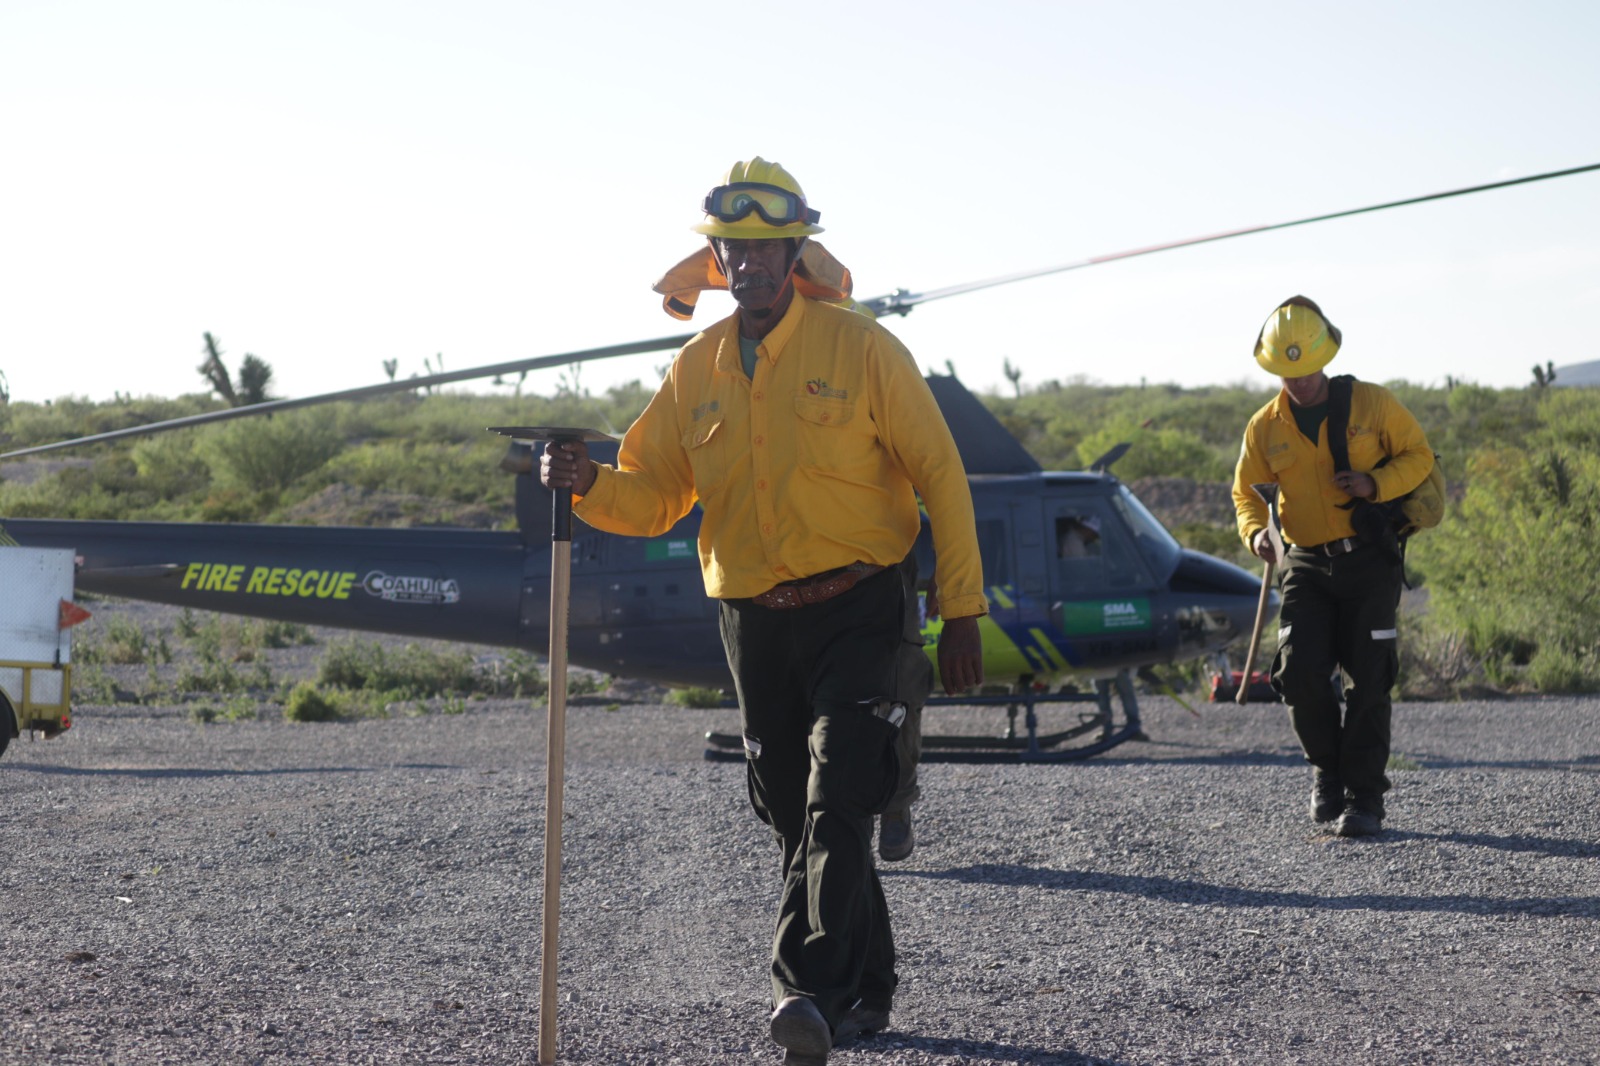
(660, 551)
(1052, 654)
(1013, 647)
(1010, 648)
(1095, 617)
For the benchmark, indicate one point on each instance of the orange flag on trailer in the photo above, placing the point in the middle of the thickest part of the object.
(72, 614)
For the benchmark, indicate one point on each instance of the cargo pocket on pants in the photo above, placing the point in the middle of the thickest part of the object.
(856, 764)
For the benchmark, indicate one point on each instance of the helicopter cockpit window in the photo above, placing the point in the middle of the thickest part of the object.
(1157, 546)
(1077, 536)
(1092, 553)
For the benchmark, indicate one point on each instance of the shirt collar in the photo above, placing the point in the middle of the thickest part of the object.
(1282, 406)
(772, 345)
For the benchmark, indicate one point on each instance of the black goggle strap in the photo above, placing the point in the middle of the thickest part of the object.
(732, 202)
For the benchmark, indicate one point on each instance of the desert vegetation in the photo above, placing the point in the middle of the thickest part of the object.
(1506, 579)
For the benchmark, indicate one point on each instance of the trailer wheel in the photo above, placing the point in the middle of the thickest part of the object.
(8, 723)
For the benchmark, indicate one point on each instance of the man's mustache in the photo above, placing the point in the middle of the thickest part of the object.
(751, 284)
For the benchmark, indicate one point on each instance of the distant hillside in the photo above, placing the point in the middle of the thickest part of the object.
(1579, 373)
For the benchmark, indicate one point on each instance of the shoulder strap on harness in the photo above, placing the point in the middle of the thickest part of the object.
(1339, 389)
(1380, 525)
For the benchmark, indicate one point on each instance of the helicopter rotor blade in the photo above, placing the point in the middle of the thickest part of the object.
(900, 302)
(410, 384)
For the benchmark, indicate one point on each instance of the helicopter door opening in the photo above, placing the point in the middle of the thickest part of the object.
(1090, 555)
(1103, 590)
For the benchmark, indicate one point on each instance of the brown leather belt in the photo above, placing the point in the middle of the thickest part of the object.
(814, 589)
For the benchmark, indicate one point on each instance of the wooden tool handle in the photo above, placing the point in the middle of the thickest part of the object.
(1243, 695)
(555, 771)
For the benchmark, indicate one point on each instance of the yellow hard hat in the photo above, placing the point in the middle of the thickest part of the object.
(756, 200)
(1296, 340)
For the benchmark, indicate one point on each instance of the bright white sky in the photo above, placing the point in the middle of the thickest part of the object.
(331, 184)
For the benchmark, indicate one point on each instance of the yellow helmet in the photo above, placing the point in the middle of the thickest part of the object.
(758, 199)
(1296, 340)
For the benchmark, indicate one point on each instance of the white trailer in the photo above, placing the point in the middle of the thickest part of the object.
(36, 619)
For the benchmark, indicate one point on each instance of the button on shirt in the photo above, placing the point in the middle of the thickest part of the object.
(1275, 450)
(813, 463)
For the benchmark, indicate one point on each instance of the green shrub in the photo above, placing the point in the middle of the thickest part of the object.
(419, 672)
(1435, 662)
(307, 703)
(1158, 452)
(462, 472)
(696, 697)
(228, 638)
(275, 634)
(271, 453)
(68, 416)
(206, 639)
(1512, 567)
(580, 684)
(416, 670)
(237, 709)
(120, 640)
(169, 465)
(215, 676)
(517, 674)
(1555, 669)
(236, 505)
(91, 685)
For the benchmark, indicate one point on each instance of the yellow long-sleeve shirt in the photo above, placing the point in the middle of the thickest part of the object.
(813, 464)
(1275, 450)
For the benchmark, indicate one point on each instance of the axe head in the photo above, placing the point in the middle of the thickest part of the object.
(555, 433)
(1268, 491)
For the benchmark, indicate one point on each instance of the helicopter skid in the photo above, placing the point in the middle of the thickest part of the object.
(1100, 727)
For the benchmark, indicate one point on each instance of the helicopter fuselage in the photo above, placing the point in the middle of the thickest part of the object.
(1081, 580)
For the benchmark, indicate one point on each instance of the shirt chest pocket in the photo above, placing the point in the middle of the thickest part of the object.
(825, 432)
(706, 445)
(1366, 449)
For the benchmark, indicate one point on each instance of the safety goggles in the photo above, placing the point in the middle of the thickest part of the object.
(777, 207)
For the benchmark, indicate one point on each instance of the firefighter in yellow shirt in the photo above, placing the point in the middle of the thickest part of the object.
(1341, 587)
(805, 432)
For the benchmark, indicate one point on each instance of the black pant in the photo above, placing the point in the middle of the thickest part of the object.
(1340, 612)
(821, 762)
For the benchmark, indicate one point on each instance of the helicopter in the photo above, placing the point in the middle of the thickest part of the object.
(1084, 582)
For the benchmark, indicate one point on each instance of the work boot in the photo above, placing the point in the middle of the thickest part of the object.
(800, 1029)
(861, 1021)
(895, 839)
(1359, 821)
(1327, 797)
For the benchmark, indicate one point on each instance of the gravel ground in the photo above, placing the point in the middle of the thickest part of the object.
(369, 892)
